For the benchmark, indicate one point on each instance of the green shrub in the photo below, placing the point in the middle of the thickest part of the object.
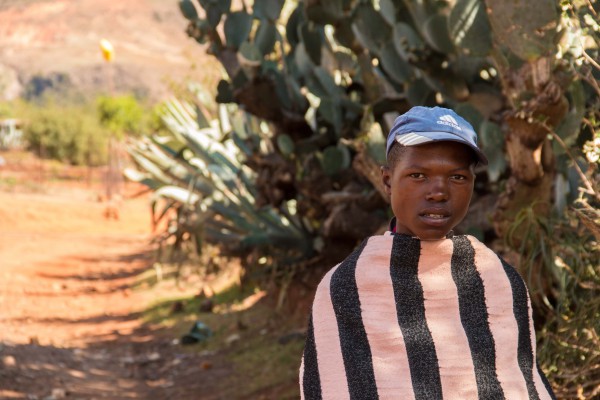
(67, 133)
(126, 115)
(121, 115)
(76, 130)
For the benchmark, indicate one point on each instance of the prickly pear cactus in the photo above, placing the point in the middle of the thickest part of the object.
(322, 72)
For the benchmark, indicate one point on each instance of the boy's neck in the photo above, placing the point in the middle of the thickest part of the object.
(392, 228)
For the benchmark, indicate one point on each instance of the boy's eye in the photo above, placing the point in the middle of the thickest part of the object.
(459, 177)
(417, 175)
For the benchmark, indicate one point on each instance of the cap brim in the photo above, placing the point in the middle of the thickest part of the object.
(420, 138)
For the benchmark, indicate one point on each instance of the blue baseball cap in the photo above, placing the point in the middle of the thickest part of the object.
(421, 125)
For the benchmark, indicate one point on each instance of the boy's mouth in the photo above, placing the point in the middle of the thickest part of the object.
(436, 217)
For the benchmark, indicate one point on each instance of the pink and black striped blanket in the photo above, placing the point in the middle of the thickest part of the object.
(402, 318)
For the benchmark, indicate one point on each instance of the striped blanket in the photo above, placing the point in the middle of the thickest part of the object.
(402, 318)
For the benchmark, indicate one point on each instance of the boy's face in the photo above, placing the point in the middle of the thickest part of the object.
(430, 188)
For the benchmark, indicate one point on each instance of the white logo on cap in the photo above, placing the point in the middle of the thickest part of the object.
(449, 120)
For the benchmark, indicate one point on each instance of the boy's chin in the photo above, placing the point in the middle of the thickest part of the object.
(432, 234)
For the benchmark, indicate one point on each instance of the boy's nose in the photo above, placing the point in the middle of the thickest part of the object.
(438, 191)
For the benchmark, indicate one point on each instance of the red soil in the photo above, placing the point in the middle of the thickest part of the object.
(70, 322)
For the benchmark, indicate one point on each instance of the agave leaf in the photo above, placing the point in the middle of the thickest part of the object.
(233, 165)
(176, 193)
(177, 169)
(152, 168)
(241, 144)
(168, 164)
(224, 225)
(226, 239)
(294, 220)
(157, 216)
(229, 214)
(143, 178)
(168, 144)
(240, 203)
(179, 119)
(200, 118)
(258, 239)
(277, 222)
(203, 146)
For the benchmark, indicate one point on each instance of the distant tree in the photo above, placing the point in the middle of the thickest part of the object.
(121, 115)
(40, 86)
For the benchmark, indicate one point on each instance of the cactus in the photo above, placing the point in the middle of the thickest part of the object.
(343, 60)
(335, 159)
(188, 10)
(528, 28)
(469, 28)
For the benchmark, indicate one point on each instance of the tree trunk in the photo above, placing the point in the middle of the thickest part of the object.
(527, 126)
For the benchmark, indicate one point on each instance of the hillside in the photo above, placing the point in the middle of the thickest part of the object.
(45, 37)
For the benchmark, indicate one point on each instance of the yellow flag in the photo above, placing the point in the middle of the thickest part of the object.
(108, 52)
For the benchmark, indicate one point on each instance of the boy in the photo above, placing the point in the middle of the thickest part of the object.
(418, 313)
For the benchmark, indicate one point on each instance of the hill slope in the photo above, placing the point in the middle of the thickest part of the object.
(43, 37)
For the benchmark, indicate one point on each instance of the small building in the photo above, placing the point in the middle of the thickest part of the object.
(11, 134)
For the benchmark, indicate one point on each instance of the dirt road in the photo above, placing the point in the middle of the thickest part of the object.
(70, 322)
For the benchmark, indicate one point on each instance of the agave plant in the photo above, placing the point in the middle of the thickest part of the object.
(199, 175)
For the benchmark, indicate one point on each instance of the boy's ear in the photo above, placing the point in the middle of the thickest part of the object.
(386, 177)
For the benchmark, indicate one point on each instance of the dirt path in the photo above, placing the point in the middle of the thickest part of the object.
(70, 322)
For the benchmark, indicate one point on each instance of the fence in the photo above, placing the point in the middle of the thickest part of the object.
(11, 135)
